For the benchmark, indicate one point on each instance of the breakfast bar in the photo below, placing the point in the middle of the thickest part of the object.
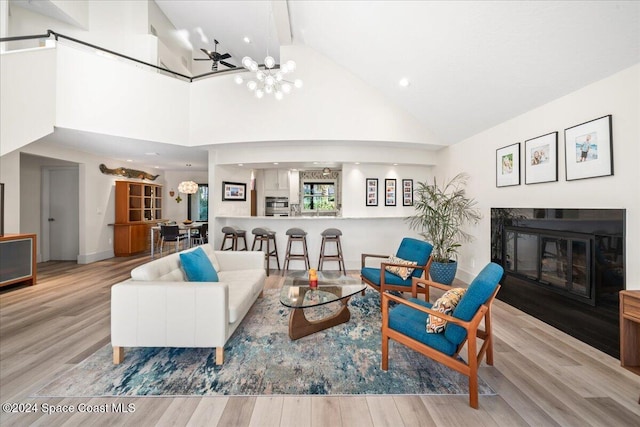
(380, 235)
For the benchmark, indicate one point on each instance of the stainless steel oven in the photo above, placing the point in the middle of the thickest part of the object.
(276, 206)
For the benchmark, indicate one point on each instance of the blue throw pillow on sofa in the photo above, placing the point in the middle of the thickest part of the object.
(198, 267)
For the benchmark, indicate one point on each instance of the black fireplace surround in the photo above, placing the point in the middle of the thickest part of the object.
(564, 267)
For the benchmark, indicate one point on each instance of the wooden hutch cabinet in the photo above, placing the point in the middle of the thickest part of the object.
(138, 208)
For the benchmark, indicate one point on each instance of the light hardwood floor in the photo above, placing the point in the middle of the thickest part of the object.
(542, 376)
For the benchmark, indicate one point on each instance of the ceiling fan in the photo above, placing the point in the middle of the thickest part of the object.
(215, 57)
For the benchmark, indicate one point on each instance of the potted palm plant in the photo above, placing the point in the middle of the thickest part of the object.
(441, 212)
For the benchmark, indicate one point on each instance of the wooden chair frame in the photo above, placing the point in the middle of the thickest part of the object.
(474, 355)
(386, 287)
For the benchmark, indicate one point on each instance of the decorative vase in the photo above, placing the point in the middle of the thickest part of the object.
(443, 272)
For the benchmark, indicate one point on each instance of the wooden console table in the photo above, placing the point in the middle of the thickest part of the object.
(630, 331)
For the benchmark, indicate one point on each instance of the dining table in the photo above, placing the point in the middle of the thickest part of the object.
(183, 227)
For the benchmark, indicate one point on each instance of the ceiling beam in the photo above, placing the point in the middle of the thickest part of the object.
(281, 19)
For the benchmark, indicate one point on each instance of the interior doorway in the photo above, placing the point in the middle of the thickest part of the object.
(60, 214)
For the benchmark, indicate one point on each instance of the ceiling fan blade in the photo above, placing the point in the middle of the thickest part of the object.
(208, 52)
(202, 59)
(226, 64)
(224, 56)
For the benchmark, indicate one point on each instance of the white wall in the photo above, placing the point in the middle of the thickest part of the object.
(96, 198)
(173, 210)
(10, 177)
(107, 96)
(171, 49)
(120, 26)
(617, 95)
(27, 104)
(76, 10)
(332, 105)
(354, 182)
(31, 185)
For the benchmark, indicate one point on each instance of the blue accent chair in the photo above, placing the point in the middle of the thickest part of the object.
(406, 324)
(410, 250)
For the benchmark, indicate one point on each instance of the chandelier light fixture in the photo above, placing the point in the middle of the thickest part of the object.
(188, 187)
(269, 78)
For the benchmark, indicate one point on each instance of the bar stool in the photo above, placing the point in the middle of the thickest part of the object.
(264, 235)
(332, 235)
(297, 235)
(233, 234)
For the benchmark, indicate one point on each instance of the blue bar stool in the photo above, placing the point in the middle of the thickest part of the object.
(264, 235)
(332, 235)
(297, 235)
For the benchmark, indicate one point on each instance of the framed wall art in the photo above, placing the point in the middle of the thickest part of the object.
(541, 159)
(390, 192)
(508, 165)
(234, 191)
(407, 192)
(588, 149)
(372, 192)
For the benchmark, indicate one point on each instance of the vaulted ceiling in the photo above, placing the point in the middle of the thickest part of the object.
(470, 64)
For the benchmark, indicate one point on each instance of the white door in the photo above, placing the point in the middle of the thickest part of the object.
(63, 214)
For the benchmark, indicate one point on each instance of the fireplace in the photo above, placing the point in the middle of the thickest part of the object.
(565, 267)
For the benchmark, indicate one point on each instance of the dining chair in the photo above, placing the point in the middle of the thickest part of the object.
(201, 236)
(171, 234)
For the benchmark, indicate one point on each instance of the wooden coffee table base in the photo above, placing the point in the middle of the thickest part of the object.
(300, 326)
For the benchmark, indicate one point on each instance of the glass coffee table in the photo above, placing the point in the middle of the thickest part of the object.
(332, 287)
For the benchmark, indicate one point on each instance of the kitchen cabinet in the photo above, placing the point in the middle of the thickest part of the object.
(276, 179)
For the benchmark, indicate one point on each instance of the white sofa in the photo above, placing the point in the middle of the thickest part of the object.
(158, 307)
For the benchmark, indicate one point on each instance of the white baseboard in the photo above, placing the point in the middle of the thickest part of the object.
(96, 256)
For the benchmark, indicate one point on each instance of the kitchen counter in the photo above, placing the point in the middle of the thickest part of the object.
(376, 235)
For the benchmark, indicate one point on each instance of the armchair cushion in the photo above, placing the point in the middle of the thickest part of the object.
(410, 322)
(415, 250)
(373, 275)
(403, 272)
(197, 267)
(445, 304)
(477, 294)
(412, 250)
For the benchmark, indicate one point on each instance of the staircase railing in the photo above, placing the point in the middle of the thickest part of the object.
(58, 36)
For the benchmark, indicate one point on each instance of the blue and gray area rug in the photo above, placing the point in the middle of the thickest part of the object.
(260, 359)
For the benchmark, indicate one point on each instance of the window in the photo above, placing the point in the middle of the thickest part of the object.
(319, 196)
(198, 204)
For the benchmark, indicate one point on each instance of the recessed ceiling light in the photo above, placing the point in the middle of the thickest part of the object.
(246, 39)
(395, 164)
(276, 163)
(152, 154)
(357, 163)
(157, 167)
(240, 164)
(404, 82)
(129, 160)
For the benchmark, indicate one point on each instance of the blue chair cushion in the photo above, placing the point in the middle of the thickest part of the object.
(415, 250)
(412, 323)
(373, 275)
(198, 267)
(477, 294)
